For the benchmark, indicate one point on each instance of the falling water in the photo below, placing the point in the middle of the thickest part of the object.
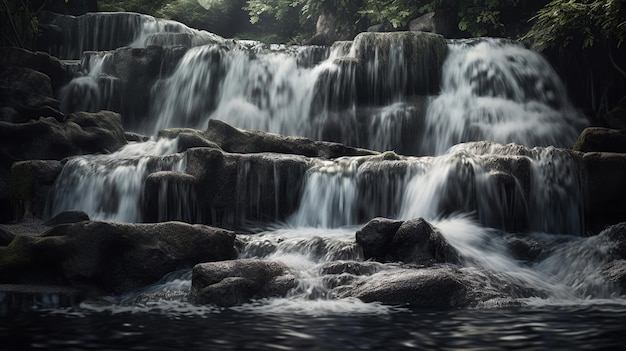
(497, 90)
(109, 187)
(480, 195)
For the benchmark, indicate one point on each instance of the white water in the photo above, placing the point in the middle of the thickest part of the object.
(499, 91)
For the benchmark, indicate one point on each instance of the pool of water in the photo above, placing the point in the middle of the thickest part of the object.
(597, 327)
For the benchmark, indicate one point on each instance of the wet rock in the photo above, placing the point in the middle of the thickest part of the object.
(615, 272)
(30, 183)
(105, 257)
(232, 139)
(597, 139)
(26, 94)
(170, 196)
(416, 241)
(136, 137)
(235, 282)
(49, 139)
(233, 188)
(67, 217)
(376, 236)
(39, 61)
(351, 267)
(432, 287)
(524, 248)
(412, 241)
(424, 23)
(605, 174)
(137, 68)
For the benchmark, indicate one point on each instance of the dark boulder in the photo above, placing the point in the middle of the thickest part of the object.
(524, 248)
(437, 23)
(138, 69)
(26, 94)
(416, 241)
(49, 139)
(597, 139)
(42, 62)
(432, 287)
(232, 139)
(412, 241)
(235, 282)
(376, 236)
(30, 182)
(105, 257)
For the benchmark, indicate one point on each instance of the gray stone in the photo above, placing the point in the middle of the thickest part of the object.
(597, 139)
(232, 139)
(104, 257)
(432, 287)
(235, 282)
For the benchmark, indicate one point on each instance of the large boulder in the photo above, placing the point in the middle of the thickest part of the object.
(597, 139)
(105, 257)
(376, 236)
(42, 62)
(30, 183)
(435, 22)
(232, 139)
(412, 241)
(235, 282)
(432, 287)
(26, 94)
(49, 139)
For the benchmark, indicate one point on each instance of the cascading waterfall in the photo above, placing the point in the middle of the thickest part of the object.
(478, 194)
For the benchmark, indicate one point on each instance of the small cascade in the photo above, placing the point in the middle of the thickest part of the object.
(504, 186)
(186, 98)
(93, 89)
(497, 90)
(110, 30)
(109, 187)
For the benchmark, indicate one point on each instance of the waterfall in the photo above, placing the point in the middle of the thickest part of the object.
(109, 187)
(111, 30)
(471, 144)
(497, 90)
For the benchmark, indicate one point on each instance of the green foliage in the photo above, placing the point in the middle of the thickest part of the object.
(578, 22)
(393, 13)
(18, 24)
